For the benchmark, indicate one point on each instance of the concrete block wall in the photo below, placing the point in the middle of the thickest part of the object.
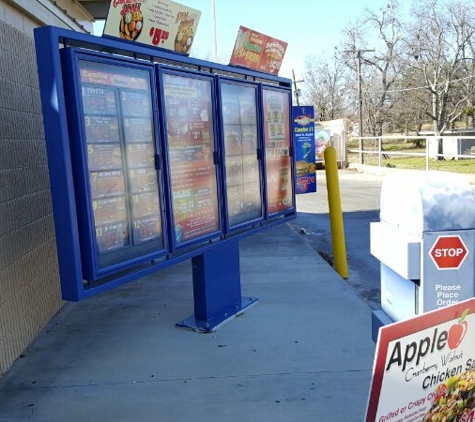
(29, 277)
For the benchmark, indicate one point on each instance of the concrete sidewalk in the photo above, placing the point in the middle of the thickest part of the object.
(303, 353)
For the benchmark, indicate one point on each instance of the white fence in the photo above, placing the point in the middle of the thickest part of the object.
(454, 148)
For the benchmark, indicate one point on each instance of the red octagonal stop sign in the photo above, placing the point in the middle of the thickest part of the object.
(448, 252)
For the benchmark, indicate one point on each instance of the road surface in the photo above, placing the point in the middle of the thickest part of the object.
(360, 202)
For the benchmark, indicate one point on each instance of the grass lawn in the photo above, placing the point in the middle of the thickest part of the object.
(463, 165)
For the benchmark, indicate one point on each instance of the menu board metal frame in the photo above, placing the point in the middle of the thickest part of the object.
(81, 273)
(107, 162)
(237, 118)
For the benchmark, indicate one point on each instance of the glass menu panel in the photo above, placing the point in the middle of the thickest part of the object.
(243, 177)
(277, 145)
(188, 111)
(117, 109)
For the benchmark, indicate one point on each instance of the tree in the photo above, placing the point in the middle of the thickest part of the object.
(379, 31)
(410, 109)
(324, 87)
(437, 40)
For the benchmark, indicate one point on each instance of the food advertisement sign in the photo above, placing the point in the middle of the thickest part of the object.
(304, 139)
(158, 23)
(258, 51)
(189, 119)
(243, 174)
(277, 150)
(118, 127)
(424, 369)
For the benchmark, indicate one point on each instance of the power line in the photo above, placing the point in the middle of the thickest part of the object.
(420, 87)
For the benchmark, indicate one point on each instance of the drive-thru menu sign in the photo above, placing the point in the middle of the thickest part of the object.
(424, 369)
(157, 161)
(191, 146)
(121, 169)
(160, 23)
(258, 51)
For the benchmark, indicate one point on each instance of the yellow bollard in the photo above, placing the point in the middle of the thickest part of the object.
(336, 215)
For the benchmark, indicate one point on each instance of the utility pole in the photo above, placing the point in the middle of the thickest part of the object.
(295, 87)
(360, 97)
(215, 37)
(360, 94)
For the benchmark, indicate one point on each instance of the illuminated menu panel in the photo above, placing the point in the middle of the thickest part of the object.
(243, 176)
(189, 118)
(123, 180)
(277, 147)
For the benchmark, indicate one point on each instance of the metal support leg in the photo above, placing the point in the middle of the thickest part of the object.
(216, 288)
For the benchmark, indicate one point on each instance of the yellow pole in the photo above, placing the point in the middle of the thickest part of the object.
(336, 215)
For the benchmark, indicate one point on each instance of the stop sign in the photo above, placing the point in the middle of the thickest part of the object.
(448, 252)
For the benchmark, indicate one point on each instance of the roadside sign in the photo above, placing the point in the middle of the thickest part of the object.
(424, 368)
(448, 269)
(303, 127)
(448, 252)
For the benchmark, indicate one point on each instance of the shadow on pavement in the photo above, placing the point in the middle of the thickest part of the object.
(363, 268)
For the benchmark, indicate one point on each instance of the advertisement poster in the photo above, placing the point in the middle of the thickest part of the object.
(448, 270)
(322, 141)
(258, 51)
(424, 369)
(277, 147)
(158, 23)
(188, 109)
(303, 118)
(122, 174)
(243, 174)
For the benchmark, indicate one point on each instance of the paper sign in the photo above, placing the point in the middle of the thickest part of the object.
(424, 370)
(258, 51)
(164, 24)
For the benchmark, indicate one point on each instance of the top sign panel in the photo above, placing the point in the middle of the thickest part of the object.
(258, 51)
(164, 24)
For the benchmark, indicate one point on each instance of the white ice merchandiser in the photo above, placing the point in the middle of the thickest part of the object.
(425, 242)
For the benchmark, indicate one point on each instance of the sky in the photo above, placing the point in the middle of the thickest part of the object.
(309, 28)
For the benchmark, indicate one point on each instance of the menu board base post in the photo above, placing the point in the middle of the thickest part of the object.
(216, 288)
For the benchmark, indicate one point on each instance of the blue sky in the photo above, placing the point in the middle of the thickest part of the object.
(309, 28)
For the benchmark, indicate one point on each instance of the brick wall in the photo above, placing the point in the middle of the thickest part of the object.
(29, 278)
